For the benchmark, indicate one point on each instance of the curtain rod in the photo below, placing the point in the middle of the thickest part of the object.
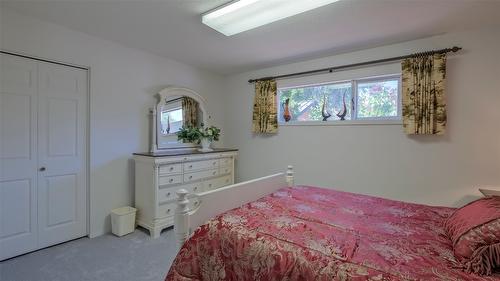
(335, 68)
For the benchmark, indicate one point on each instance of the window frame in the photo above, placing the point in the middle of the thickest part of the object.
(378, 79)
(355, 120)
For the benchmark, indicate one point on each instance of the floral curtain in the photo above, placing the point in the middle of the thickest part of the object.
(190, 112)
(424, 104)
(265, 115)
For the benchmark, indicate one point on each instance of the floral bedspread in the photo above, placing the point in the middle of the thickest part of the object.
(310, 233)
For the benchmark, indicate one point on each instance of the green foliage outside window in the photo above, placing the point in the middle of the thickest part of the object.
(306, 102)
(378, 99)
(375, 99)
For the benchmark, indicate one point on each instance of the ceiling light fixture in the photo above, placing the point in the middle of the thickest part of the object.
(243, 15)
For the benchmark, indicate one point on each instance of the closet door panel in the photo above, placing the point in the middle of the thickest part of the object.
(61, 199)
(18, 157)
(62, 153)
(62, 132)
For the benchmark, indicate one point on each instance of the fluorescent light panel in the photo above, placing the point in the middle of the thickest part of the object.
(243, 15)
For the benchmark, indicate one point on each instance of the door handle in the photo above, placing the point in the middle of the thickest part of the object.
(42, 169)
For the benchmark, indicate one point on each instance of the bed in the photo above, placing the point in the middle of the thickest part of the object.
(286, 232)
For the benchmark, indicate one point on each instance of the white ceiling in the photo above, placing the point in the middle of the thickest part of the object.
(172, 28)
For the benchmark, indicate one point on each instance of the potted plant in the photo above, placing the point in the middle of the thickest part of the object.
(199, 135)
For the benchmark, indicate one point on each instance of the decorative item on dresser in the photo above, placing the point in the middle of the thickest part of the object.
(202, 135)
(159, 175)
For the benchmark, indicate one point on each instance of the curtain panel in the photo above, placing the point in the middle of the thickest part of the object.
(265, 110)
(189, 112)
(424, 103)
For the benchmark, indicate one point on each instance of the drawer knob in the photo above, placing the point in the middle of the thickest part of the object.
(190, 166)
(171, 168)
(214, 173)
(195, 188)
(168, 194)
(171, 180)
(168, 211)
(209, 185)
(196, 203)
(190, 177)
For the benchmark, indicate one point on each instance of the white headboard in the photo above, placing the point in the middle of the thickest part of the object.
(215, 202)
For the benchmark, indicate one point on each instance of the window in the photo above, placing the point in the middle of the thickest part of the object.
(378, 99)
(306, 103)
(361, 99)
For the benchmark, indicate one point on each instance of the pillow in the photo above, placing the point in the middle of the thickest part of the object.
(474, 230)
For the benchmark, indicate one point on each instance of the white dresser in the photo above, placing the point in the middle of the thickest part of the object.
(159, 175)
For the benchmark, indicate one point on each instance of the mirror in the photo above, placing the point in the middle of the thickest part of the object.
(176, 107)
(171, 116)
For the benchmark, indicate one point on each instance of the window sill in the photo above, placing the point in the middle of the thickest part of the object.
(343, 123)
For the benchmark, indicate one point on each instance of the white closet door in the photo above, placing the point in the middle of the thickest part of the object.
(62, 190)
(18, 158)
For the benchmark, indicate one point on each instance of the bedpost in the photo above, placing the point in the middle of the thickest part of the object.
(181, 218)
(289, 175)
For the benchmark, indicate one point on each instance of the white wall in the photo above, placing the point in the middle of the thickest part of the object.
(381, 160)
(378, 160)
(123, 83)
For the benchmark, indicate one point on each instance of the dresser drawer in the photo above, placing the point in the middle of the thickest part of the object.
(168, 180)
(170, 169)
(167, 194)
(196, 187)
(201, 165)
(217, 182)
(165, 210)
(188, 177)
(225, 170)
(224, 162)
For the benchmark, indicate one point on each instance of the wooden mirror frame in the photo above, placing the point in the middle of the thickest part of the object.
(164, 96)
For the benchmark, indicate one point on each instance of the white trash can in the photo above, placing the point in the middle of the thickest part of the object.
(123, 220)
